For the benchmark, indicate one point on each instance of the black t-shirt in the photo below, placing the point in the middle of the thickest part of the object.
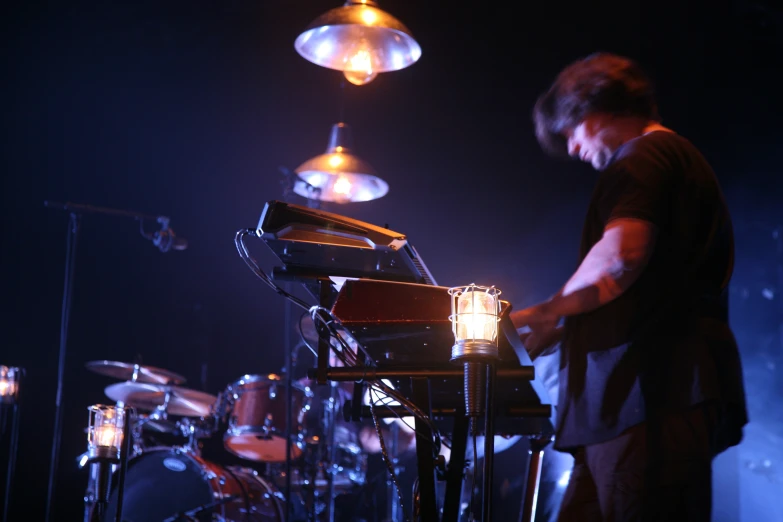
(665, 344)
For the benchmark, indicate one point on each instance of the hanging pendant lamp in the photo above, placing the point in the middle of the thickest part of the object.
(359, 39)
(338, 175)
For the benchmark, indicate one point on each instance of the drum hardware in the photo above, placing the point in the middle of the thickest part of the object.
(158, 422)
(162, 401)
(348, 470)
(188, 432)
(195, 430)
(190, 515)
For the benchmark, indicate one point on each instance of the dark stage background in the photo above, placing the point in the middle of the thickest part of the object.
(188, 109)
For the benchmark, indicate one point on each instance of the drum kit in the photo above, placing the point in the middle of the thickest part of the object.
(169, 478)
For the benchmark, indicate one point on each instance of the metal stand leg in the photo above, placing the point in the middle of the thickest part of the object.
(70, 260)
(530, 498)
(89, 494)
(126, 436)
(12, 449)
(324, 349)
(392, 504)
(424, 452)
(289, 405)
(330, 450)
(455, 473)
(489, 445)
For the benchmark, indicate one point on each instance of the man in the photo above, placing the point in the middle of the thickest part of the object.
(650, 381)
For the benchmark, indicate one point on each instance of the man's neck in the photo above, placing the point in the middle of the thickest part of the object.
(636, 129)
(653, 127)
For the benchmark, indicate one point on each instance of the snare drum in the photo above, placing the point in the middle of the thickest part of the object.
(257, 418)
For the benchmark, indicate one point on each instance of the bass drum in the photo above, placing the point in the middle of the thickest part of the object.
(163, 482)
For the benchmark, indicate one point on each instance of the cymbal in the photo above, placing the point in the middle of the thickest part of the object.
(126, 371)
(144, 396)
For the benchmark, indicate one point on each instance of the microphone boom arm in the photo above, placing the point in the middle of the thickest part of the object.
(164, 239)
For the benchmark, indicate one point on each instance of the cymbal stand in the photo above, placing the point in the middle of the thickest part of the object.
(137, 431)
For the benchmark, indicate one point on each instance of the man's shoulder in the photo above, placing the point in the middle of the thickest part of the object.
(657, 143)
(658, 150)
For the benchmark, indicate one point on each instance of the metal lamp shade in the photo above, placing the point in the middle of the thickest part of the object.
(358, 37)
(338, 175)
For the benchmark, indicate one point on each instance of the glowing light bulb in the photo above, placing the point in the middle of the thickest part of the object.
(360, 61)
(360, 78)
(5, 387)
(360, 66)
(106, 434)
(342, 186)
(476, 316)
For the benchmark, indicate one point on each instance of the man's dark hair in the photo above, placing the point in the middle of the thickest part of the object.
(601, 82)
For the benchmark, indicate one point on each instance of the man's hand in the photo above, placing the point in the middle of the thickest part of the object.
(537, 344)
(544, 330)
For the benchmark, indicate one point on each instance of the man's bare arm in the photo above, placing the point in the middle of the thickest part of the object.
(609, 269)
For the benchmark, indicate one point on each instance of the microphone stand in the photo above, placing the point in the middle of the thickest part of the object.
(76, 211)
(70, 261)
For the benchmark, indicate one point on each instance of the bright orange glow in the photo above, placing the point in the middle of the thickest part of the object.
(335, 160)
(369, 16)
(360, 78)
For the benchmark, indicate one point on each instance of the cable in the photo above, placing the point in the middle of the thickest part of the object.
(387, 402)
(253, 265)
(302, 336)
(413, 409)
(386, 459)
(348, 357)
(331, 328)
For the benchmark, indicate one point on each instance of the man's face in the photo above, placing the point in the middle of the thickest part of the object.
(593, 140)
